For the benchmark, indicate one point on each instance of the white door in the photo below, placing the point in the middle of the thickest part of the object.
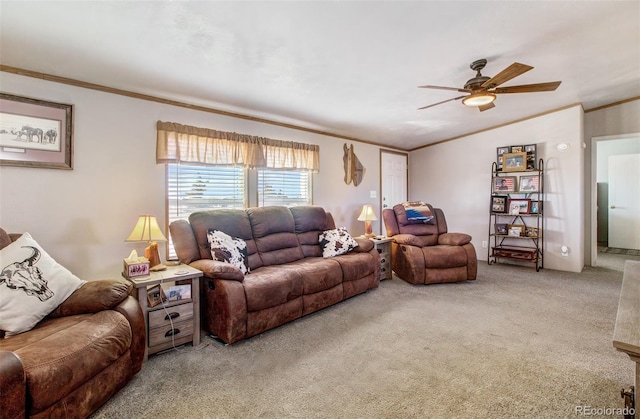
(624, 201)
(393, 179)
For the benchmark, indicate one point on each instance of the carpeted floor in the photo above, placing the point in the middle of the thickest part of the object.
(617, 250)
(513, 344)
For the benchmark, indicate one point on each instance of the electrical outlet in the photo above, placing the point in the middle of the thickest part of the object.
(484, 244)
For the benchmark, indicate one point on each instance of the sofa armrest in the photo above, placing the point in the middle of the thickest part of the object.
(454, 239)
(94, 296)
(13, 385)
(364, 245)
(218, 270)
(407, 239)
(131, 310)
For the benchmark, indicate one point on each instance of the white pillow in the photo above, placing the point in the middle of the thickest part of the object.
(32, 285)
(336, 242)
(225, 248)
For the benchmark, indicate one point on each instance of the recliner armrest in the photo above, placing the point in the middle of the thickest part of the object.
(218, 270)
(364, 245)
(94, 296)
(13, 383)
(408, 239)
(454, 239)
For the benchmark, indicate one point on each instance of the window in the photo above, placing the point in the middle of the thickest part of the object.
(283, 187)
(196, 188)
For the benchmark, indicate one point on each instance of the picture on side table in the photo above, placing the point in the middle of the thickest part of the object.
(505, 184)
(155, 295)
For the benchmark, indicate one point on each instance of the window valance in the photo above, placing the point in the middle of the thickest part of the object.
(184, 144)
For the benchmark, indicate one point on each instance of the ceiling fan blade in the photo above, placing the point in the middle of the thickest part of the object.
(439, 103)
(455, 89)
(507, 74)
(486, 107)
(529, 88)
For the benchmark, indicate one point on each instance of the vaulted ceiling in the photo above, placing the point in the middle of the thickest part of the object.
(349, 68)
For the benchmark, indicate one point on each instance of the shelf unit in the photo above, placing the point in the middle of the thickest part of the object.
(517, 235)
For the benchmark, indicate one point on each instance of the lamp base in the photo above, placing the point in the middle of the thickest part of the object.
(151, 253)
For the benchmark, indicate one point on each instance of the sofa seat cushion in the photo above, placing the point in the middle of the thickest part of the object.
(61, 354)
(356, 265)
(270, 286)
(444, 256)
(318, 274)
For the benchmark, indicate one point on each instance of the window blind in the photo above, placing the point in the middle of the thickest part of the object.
(283, 187)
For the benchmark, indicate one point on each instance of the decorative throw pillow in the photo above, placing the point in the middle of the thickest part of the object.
(225, 248)
(32, 285)
(336, 242)
(417, 212)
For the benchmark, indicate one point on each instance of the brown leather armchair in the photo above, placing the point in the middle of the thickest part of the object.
(425, 253)
(77, 357)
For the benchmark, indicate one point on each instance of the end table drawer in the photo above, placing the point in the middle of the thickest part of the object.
(160, 335)
(178, 313)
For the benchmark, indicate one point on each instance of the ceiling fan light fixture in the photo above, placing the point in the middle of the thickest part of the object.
(479, 99)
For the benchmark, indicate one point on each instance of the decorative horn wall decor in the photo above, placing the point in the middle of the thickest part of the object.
(353, 169)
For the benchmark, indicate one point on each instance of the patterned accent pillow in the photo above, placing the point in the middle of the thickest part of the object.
(225, 248)
(336, 242)
(32, 285)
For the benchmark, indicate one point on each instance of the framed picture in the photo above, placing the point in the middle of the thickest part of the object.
(536, 207)
(499, 152)
(512, 162)
(179, 292)
(531, 232)
(35, 133)
(516, 230)
(519, 206)
(501, 229)
(155, 295)
(505, 184)
(499, 203)
(529, 184)
(516, 149)
(532, 156)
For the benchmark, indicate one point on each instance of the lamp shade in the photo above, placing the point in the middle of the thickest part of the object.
(479, 99)
(367, 214)
(146, 230)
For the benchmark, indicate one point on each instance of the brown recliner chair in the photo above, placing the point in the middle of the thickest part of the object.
(425, 253)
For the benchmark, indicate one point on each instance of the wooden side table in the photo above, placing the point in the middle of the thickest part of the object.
(383, 246)
(174, 322)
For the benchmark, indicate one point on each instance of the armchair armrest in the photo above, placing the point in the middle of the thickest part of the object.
(364, 245)
(218, 270)
(94, 296)
(454, 239)
(13, 383)
(408, 239)
(131, 310)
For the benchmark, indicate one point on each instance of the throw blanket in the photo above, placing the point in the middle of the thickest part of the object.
(417, 212)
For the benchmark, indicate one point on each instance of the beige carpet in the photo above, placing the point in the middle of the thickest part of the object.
(513, 344)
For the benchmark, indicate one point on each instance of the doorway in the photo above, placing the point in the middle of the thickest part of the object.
(393, 180)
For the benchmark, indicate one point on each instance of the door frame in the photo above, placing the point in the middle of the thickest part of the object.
(399, 153)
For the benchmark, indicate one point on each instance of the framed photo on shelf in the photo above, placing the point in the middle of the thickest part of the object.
(499, 152)
(505, 184)
(529, 184)
(514, 162)
(35, 133)
(516, 230)
(531, 232)
(501, 229)
(499, 203)
(155, 295)
(536, 207)
(532, 156)
(516, 149)
(519, 206)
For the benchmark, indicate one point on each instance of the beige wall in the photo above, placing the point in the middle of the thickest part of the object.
(456, 176)
(81, 217)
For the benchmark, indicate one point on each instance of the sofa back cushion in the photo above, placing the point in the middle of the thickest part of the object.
(310, 222)
(274, 234)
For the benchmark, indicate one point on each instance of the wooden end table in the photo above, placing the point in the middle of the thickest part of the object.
(383, 246)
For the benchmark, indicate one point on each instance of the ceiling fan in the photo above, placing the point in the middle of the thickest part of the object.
(483, 90)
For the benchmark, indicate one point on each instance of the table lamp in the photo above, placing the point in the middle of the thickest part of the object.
(148, 230)
(367, 215)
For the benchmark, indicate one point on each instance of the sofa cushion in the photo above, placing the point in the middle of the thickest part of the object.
(225, 248)
(274, 233)
(357, 265)
(32, 285)
(444, 256)
(318, 274)
(270, 286)
(336, 242)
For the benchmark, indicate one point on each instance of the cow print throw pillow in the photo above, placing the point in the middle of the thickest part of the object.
(225, 248)
(32, 285)
(336, 242)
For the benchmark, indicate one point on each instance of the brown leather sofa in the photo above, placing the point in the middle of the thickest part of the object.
(288, 276)
(76, 358)
(425, 253)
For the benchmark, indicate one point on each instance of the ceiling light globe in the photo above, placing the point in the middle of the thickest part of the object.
(479, 99)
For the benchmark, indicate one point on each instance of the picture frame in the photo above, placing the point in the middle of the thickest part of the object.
(532, 156)
(516, 149)
(519, 206)
(529, 184)
(514, 162)
(516, 230)
(531, 232)
(501, 229)
(499, 152)
(35, 133)
(536, 207)
(179, 292)
(499, 203)
(155, 296)
(505, 184)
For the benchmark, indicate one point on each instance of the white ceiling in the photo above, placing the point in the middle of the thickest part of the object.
(350, 68)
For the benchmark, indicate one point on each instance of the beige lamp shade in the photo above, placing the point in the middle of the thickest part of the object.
(367, 215)
(146, 230)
